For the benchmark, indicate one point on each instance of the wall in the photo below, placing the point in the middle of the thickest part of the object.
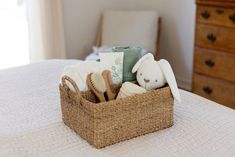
(81, 18)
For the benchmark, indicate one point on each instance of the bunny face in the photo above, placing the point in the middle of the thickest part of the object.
(148, 78)
(153, 74)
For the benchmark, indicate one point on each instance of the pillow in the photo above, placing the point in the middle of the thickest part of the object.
(94, 56)
(133, 28)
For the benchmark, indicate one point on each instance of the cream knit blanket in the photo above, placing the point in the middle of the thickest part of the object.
(31, 126)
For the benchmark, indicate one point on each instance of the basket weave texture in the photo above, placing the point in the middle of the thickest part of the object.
(103, 124)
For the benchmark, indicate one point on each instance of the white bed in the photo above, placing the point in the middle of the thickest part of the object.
(31, 125)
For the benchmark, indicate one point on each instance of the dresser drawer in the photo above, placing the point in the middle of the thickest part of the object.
(216, 64)
(217, 38)
(216, 15)
(216, 90)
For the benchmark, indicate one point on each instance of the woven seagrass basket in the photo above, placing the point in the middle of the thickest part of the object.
(103, 124)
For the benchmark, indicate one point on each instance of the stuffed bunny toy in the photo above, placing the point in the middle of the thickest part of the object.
(153, 74)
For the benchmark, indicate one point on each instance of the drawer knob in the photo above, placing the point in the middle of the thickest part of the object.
(207, 90)
(232, 18)
(205, 14)
(210, 63)
(211, 37)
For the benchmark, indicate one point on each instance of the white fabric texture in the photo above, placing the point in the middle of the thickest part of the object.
(80, 71)
(132, 28)
(31, 125)
(46, 31)
(130, 89)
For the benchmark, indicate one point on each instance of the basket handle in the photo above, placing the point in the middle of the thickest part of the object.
(71, 81)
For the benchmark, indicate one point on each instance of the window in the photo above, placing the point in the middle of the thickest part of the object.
(14, 42)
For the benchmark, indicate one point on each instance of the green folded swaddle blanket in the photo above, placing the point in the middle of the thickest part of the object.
(131, 56)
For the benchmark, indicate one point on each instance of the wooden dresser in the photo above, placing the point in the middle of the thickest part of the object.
(214, 54)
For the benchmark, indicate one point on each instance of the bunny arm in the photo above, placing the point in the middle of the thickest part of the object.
(170, 78)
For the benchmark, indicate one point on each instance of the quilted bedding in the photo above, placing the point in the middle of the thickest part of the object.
(31, 125)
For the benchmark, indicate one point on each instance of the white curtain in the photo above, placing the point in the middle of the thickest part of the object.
(46, 32)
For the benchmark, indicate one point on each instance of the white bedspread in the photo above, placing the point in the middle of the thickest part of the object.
(31, 125)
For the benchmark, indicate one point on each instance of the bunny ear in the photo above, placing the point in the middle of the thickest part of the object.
(170, 78)
(148, 56)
